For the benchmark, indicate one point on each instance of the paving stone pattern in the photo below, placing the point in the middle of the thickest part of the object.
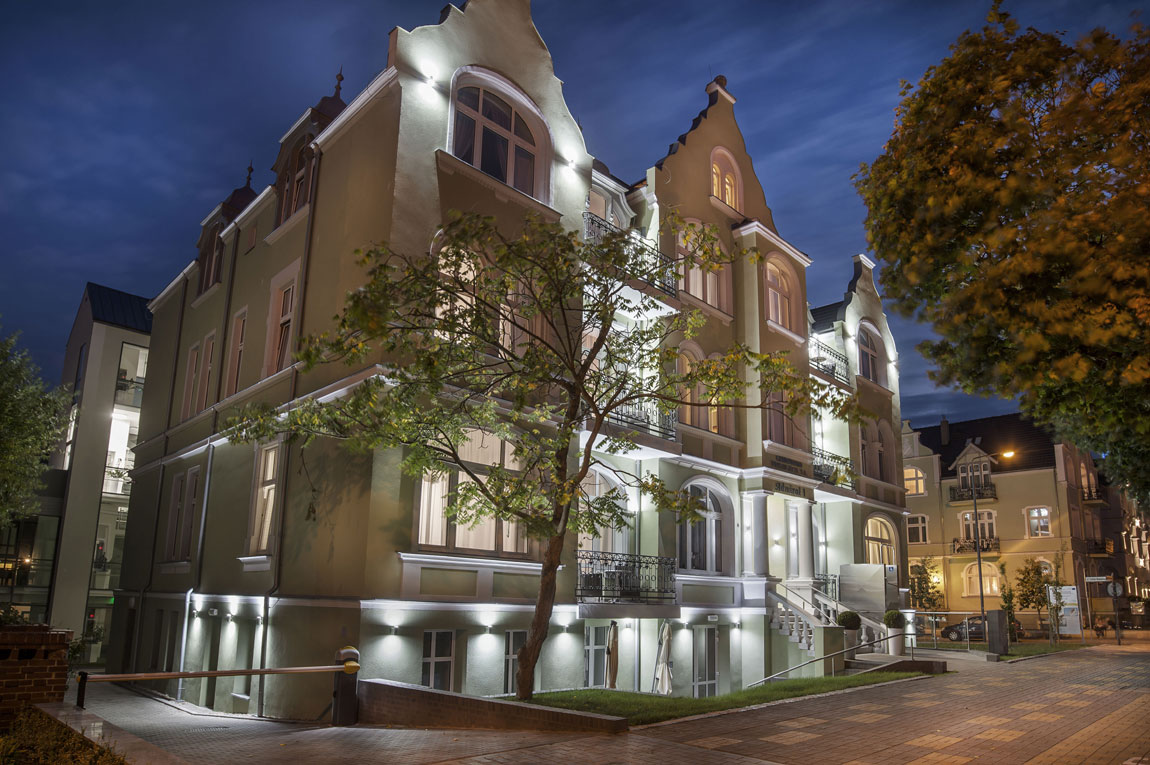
(1086, 706)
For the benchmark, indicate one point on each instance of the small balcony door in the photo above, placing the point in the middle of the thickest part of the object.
(706, 674)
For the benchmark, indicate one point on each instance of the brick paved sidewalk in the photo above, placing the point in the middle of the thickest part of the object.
(1088, 706)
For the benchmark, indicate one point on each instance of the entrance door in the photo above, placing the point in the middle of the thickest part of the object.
(706, 677)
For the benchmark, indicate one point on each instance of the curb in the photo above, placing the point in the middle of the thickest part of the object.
(753, 707)
(1045, 655)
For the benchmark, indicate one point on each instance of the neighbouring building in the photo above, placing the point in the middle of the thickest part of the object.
(261, 556)
(28, 552)
(1045, 502)
(105, 363)
(1126, 524)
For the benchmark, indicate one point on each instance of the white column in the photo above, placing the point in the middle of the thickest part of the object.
(754, 542)
(805, 541)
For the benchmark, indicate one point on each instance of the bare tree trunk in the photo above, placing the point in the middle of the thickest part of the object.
(541, 621)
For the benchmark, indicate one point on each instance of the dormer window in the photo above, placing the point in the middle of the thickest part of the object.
(211, 258)
(869, 356)
(492, 135)
(292, 186)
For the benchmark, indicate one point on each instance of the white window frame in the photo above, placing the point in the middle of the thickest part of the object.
(922, 523)
(262, 513)
(991, 580)
(595, 654)
(236, 356)
(712, 528)
(207, 351)
(276, 318)
(1026, 515)
(429, 662)
(917, 478)
(704, 674)
(191, 380)
(880, 543)
(778, 295)
(870, 357)
(987, 521)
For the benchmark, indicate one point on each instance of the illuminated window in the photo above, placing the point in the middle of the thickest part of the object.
(491, 134)
(914, 481)
(1038, 521)
(712, 286)
(725, 179)
(778, 296)
(986, 525)
(879, 538)
(990, 580)
(869, 356)
(691, 413)
(267, 476)
(605, 539)
(974, 474)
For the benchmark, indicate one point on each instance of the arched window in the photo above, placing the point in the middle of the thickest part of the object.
(712, 286)
(725, 183)
(778, 296)
(494, 136)
(1046, 567)
(879, 537)
(914, 481)
(720, 419)
(605, 538)
(869, 356)
(990, 580)
(690, 413)
(701, 542)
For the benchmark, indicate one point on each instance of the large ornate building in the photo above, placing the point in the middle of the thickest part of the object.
(249, 556)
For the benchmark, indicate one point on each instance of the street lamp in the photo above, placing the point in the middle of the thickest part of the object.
(978, 539)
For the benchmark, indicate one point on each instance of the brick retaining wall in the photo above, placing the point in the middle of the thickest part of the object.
(33, 667)
(384, 702)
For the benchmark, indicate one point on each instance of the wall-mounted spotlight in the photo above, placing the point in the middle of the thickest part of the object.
(213, 612)
(195, 614)
(260, 619)
(228, 616)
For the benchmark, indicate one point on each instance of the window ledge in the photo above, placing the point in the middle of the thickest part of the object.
(451, 164)
(692, 576)
(203, 296)
(256, 562)
(447, 560)
(722, 438)
(176, 567)
(794, 337)
(281, 230)
(726, 209)
(869, 383)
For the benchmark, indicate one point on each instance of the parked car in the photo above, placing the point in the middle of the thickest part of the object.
(976, 629)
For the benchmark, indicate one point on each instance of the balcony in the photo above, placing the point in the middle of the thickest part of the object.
(829, 361)
(646, 258)
(1100, 548)
(647, 418)
(606, 577)
(832, 468)
(985, 491)
(117, 479)
(986, 544)
(1092, 495)
(129, 392)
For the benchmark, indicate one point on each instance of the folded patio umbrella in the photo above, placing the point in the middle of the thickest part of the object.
(612, 654)
(663, 663)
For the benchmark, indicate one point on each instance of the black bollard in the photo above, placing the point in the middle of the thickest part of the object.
(345, 702)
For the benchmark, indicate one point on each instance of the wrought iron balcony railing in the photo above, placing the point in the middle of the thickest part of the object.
(646, 417)
(985, 491)
(1092, 494)
(832, 468)
(606, 577)
(650, 265)
(829, 361)
(1100, 546)
(988, 544)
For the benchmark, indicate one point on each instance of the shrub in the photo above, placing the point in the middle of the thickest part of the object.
(894, 619)
(37, 739)
(850, 620)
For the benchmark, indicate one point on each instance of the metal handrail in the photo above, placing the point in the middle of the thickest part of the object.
(349, 667)
(830, 656)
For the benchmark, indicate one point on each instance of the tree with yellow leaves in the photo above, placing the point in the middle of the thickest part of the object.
(1011, 209)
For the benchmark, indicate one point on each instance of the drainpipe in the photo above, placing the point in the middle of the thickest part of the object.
(301, 290)
(184, 643)
(160, 493)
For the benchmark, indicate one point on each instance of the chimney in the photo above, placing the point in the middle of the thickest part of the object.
(944, 431)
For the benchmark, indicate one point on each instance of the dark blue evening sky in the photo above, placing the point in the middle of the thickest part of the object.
(127, 122)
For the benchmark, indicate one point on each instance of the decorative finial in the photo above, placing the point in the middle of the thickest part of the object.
(338, 80)
(249, 181)
(721, 81)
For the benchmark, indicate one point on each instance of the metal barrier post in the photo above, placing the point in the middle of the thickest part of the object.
(345, 702)
(82, 677)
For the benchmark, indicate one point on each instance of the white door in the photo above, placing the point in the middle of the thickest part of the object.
(706, 675)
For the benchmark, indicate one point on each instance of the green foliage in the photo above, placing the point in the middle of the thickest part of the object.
(925, 590)
(522, 338)
(894, 619)
(37, 739)
(10, 615)
(645, 708)
(1008, 602)
(31, 422)
(1031, 582)
(1009, 210)
(849, 620)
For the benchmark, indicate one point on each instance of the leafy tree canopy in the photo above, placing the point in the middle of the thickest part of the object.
(31, 419)
(1010, 210)
(553, 344)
